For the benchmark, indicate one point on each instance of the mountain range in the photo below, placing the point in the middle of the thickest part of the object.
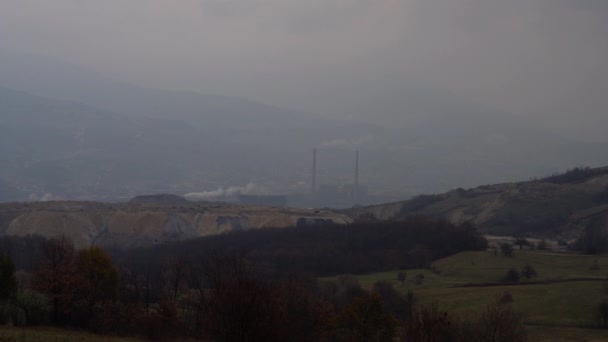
(69, 133)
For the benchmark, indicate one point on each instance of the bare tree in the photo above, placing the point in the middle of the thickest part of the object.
(402, 276)
(507, 249)
(528, 271)
(55, 275)
(499, 323)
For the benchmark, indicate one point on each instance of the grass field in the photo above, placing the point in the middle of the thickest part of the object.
(555, 309)
(10, 334)
(562, 309)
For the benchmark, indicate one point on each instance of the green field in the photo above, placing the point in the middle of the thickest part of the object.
(44, 334)
(563, 309)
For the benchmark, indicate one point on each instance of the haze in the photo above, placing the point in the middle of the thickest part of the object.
(413, 69)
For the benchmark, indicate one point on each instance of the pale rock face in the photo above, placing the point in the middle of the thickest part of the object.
(133, 224)
(81, 228)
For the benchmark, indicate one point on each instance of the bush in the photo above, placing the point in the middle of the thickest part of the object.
(521, 242)
(512, 276)
(500, 323)
(602, 310)
(577, 174)
(8, 281)
(528, 271)
(394, 303)
(507, 249)
(542, 245)
(429, 324)
(402, 277)
(505, 298)
(366, 319)
(30, 308)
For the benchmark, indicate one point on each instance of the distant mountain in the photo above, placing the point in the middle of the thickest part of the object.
(421, 140)
(73, 150)
(77, 151)
(556, 206)
(244, 121)
(440, 141)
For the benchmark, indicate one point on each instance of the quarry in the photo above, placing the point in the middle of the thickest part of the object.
(143, 223)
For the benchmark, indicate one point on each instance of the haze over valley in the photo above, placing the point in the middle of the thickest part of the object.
(318, 170)
(435, 97)
(71, 134)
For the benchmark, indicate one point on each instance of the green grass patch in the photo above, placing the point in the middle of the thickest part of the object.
(557, 309)
(46, 334)
(556, 334)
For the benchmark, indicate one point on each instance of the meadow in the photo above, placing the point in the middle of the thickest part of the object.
(559, 304)
(49, 334)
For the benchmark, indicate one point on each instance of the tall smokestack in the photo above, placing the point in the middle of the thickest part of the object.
(357, 168)
(314, 171)
(356, 189)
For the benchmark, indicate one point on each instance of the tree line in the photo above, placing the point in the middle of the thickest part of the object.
(256, 285)
(330, 249)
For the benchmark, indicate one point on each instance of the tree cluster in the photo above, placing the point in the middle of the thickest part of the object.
(577, 174)
(245, 286)
(594, 238)
(327, 250)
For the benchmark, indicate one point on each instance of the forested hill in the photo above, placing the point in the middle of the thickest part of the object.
(326, 249)
(557, 206)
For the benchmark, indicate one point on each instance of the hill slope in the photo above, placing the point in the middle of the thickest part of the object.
(557, 206)
(143, 224)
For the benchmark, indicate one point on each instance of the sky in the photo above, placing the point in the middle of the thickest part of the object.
(542, 59)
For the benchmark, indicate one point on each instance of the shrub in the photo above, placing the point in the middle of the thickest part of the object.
(394, 303)
(521, 242)
(507, 249)
(402, 276)
(30, 308)
(528, 271)
(500, 323)
(505, 298)
(602, 310)
(512, 276)
(365, 319)
(429, 324)
(8, 281)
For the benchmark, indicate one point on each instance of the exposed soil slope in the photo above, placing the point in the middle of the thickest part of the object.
(557, 206)
(133, 224)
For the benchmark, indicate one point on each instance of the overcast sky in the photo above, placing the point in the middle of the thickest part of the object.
(540, 58)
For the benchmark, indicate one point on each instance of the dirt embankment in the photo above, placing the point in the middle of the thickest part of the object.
(135, 224)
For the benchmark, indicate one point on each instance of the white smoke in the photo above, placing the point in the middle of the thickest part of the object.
(224, 193)
(44, 198)
(347, 143)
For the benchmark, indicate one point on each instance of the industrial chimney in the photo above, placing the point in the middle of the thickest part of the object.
(314, 171)
(357, 168)
(356, 189)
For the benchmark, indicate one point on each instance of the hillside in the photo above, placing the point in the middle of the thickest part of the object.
(558, 206)
(76, 151)
(559, 304)
(142, 223)
(420, 140)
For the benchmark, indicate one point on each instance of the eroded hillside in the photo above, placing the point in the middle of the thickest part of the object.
(557, 206)
(137, 224)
